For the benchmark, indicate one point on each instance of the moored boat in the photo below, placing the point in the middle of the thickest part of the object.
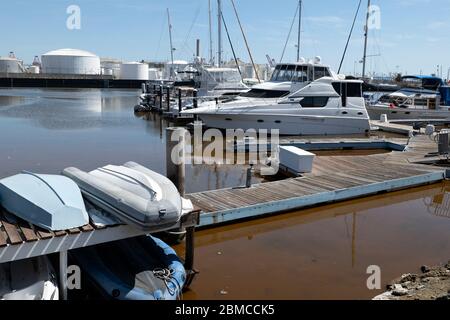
(143, 268)
(327, 106)
(134, 194)
(49, 201)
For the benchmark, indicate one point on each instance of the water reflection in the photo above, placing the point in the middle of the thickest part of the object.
(439, 205)
(323, 253)
(47, 130)
(68, 109)
(9, 101)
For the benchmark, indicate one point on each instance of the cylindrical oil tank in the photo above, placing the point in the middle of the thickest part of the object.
(33, 69)
(154, 74)
(10, 65)
(108, 72)
(71, 61)
(134, 71)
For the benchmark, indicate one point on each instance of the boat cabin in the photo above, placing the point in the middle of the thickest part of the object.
(288, 78)
(421, 82)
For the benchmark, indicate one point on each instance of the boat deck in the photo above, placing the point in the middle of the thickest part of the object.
(334, 178)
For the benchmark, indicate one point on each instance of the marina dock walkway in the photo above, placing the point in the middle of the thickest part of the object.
(334, 178)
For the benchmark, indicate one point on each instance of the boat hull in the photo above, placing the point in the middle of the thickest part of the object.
(289, 124)
(375, 113)
(48, 201)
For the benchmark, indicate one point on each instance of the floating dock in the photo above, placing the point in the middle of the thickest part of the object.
(334, 179)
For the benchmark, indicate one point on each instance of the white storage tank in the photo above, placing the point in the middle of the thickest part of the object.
(33, 69)
(111, 67)
(154, 74)
(134, 71)
(10, 65)
(70, 61)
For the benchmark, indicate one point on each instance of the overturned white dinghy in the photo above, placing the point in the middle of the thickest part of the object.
(134, 194)
(51, 202)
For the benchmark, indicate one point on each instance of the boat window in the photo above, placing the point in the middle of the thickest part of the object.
(260, 93)
(290, 73)
(314, 102)
(353, 89)
(301, 74)
(320, 72)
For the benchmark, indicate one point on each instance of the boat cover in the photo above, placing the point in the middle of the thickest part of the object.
(51, 202)
(133, 193)
(143, 268)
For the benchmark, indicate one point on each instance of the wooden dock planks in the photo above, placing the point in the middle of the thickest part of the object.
(359, 174)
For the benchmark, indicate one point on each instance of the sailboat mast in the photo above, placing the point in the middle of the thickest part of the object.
(219, 20)
(171, 43)
(299, 28)
(211, 56)
(366, 36)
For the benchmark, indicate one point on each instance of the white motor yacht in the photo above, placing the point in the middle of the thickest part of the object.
(327, 106)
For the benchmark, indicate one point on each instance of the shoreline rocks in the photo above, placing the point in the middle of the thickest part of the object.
(432, 284)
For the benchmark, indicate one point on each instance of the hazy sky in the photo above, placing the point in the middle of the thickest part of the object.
(414, 34)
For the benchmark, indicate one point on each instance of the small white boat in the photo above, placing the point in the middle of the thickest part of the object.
(51, 202)
(327, 106)
(31, 279)
(134, 194)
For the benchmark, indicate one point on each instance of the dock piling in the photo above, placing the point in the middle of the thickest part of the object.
(180, 107)
(175, 161)
(63, 274)
(194, 96)
(168, 98)
(160, 94)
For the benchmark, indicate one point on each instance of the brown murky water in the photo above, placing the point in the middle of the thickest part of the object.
(321, 253)
(324, 253)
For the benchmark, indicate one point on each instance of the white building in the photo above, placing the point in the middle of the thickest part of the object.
(71, 61)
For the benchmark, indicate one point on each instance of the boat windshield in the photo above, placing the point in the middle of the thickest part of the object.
(264, 94)
(299, 73)
(290, 73)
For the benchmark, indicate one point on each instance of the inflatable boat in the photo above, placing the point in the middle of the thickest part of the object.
(51, 202)
(143, 268)
(31, 279)
(132, 193)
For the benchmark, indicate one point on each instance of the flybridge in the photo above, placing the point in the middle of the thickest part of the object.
(301, 71)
